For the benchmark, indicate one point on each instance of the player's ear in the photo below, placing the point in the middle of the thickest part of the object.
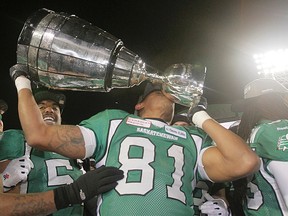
(139, 106)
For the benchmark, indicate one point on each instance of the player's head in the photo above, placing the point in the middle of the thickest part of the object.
(51, 105)
(264, 99)
(154, 104)
(180, 120)
(258, 89)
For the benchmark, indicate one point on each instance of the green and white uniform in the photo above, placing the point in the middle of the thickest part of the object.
(50, 171)
(270, 141)
(159, 163)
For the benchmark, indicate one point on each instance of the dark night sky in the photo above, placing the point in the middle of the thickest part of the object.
(223, 35)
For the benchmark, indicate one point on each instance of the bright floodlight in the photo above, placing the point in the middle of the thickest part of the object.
(272, 62)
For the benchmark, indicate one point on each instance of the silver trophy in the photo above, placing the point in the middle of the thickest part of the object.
(184, 82)
(65, 52)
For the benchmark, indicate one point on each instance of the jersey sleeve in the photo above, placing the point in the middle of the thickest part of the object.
(270, 141)
(202, 142)
(207, 143)
(276, 168)
(100, 124)
(12, 145)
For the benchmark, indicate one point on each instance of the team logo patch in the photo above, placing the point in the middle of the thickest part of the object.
(283, 143)
(6, 176)
(176, 132)
(138, 122)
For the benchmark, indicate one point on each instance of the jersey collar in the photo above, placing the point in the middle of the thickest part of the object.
(157, 122)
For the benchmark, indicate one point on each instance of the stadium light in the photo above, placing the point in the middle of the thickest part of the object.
(271, 62)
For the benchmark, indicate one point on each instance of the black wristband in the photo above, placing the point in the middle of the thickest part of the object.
(61, 198)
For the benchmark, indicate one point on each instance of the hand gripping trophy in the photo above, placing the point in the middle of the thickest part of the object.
(62, 51)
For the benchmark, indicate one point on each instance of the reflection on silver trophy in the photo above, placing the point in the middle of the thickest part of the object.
(184, 82)
(65, 52)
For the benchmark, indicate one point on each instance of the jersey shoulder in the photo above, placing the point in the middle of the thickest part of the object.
(12, 144)
(270, 140)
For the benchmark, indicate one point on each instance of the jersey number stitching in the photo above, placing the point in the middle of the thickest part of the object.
(146, 183)
(53, 178)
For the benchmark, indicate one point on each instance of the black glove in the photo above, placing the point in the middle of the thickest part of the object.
(202, 105)
(18, 70)
(87, 186)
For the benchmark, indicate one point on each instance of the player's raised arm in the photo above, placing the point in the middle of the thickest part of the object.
(63, 139)
(231, 158)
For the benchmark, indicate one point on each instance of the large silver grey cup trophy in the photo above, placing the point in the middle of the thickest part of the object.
(65, 52)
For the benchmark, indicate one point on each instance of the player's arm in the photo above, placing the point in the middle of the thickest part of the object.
(30, 204)
(83, 189)
(277, 169)
(66, 140)
(231, 158)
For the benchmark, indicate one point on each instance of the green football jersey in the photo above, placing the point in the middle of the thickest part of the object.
(50, 171)
(159, 164)
(269, 141)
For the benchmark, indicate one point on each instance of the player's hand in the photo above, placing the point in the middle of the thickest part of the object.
(214, 207)
(18, 70)
(197, 114)
(16, 171)
(19, 74)
(202, 105)
(87, 186)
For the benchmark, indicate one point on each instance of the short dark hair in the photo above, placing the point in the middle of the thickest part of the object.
(57, 97)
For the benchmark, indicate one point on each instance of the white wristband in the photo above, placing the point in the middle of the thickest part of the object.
(22, 82)
(200, 117)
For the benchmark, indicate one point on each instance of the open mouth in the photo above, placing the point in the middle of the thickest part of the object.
(49, 119)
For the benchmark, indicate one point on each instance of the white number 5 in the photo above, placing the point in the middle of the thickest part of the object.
(53, 178)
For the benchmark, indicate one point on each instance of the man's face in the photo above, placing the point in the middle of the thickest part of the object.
(158, 101)
(50, 112)
(158, 96)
